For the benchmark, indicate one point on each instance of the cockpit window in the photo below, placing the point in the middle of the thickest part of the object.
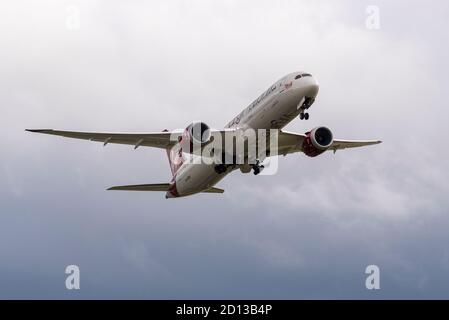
(299, 76)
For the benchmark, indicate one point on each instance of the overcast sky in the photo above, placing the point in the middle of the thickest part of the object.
(307, 232)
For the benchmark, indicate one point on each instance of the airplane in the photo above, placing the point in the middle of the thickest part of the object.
(286, 99)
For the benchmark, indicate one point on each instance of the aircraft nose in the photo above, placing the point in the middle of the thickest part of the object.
(307, 84)
(312, 87)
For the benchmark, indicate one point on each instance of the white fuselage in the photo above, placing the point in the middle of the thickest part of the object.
(274, 109)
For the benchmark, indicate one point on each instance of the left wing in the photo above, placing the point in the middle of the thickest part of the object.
(153, 139)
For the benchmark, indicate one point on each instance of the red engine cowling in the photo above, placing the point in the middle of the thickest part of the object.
(317, 141)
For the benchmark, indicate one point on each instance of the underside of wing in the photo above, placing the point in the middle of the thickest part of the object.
(290, 142)
(344, 144)
(161, 140)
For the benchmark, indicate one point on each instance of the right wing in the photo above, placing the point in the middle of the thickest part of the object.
(344, 144)
(290, 142)
(154, 139)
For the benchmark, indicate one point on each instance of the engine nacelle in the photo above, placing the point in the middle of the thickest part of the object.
(195, 135)
(317, 141)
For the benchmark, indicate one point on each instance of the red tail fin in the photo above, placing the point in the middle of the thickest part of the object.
(175, 158)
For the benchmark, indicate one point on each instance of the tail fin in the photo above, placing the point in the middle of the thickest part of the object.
(171, 154)
(175, 157)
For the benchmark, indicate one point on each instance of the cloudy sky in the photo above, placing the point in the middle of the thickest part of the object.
(307, 232)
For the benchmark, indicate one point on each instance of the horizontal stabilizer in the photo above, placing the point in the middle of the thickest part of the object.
(214, 190)
(143, 187)
(156, 187)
